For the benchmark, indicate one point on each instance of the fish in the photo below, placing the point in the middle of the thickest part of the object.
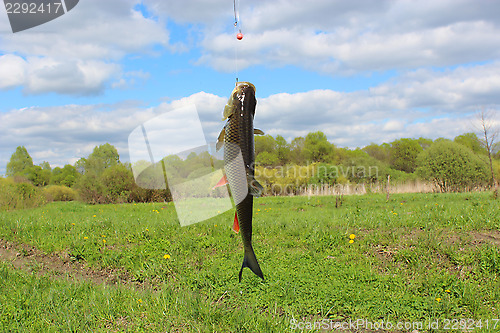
(237, 138)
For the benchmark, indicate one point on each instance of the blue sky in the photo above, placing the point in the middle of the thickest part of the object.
(360, 71)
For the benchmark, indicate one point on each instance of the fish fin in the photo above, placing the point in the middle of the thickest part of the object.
(250, 261)
(220, 139)
(228, 109)
(236, 224)
(258, 131)
(223, 181)
(254, 187)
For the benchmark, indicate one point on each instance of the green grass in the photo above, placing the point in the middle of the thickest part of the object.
(408, 253)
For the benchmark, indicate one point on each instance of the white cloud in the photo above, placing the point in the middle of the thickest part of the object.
(12, 71)
(79, 53)
(338, 37)
(333, 53)
(191, 11)
(75, 77)
(130, 79)
(92, 30)
(63, 134)
(464, 88)
(420, 104)
(325, 36)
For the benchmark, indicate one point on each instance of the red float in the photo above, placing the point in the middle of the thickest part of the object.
(239, 35)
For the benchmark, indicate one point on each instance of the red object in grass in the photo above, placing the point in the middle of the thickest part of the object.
(239, 35)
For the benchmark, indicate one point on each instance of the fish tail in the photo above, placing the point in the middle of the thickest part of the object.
(250, 261)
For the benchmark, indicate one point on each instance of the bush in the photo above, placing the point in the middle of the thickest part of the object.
(60, 193)
(115, 185)
(453, 167)
(404, 154)
(118, 182)
(284, 180)
(19, 195)
(90, 190)
(66, 176)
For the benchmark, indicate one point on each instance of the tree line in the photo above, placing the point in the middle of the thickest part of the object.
(453, 165)
(99, 178)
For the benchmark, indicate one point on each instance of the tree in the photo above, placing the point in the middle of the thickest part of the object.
(297, 150)
(404, 154)
(46, 166)
(66, 176)
(118, 182)
(471, 141)
(282, 150)
(20, 162)
(317, 148)
(380, 152)
(102, 157)
(490, 133)
(38, 176)
(424, 142)
(267, 159)
(264, 143)
(114, 185)
(453, 167)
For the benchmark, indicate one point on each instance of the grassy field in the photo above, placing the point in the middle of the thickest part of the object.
(414, 258)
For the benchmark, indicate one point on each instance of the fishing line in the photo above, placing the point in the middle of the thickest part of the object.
(237, 31)
(236, 14)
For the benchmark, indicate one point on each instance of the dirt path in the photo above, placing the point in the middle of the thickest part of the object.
(30, 259)
(60, 265)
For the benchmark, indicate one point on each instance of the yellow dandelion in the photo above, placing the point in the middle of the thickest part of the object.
(94, 215)
(104, 241)
(352, 236)
(166, 256)
(351, 241)
(258, 210)
(139, 301)
(438, 299)
(72, 224)
(447, 291)
(147, 229)
(216, 225)
(103, 235)
(85, 237)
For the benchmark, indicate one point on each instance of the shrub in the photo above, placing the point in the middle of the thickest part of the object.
(90, 189)
(114, 185)
(60, 193)
(453, 167)
(284, 180)
(404, 154)
(118, 182)
(19, 195)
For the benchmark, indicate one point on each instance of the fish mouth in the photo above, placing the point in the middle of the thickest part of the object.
(233, 100)
(241, 85)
